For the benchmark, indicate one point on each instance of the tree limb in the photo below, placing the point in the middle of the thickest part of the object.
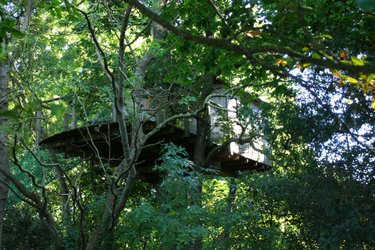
(246, 51)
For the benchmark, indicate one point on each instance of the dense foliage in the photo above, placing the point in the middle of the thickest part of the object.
(309, 66)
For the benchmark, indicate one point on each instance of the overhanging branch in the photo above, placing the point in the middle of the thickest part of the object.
(246, 51)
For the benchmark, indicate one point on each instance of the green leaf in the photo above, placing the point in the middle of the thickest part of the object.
(16, 33)
(351, 79)
(325, 36)
(8, 130)
(357, 61)
(316, 56)
(9, 114)
(57, 109)
(370, 77)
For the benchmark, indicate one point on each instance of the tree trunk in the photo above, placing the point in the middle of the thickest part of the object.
(199, 157)
(200, 146)
(116, 198)
(74, 113)
(66, 121)
(114, 117)
(64, 197)
(4, 160)
(38, 127)
(230, 203)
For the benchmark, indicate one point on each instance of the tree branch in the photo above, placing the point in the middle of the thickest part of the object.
(246, 51)
(103, 57)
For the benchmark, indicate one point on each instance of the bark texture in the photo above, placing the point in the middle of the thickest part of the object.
(4, 160)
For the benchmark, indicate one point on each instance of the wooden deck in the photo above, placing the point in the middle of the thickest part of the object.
(102, 141)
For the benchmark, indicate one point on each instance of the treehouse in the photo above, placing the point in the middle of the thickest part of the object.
(102, 142)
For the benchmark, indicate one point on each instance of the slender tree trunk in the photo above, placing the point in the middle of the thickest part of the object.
(38, 127)
(114, 117)
(29, 10)
(64, 197)
(66, 121)
(230, 203)
(117, 199)
(4, 160)
(74, 113)
(104, 229)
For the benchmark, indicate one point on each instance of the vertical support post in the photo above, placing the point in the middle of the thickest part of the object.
(186, 127)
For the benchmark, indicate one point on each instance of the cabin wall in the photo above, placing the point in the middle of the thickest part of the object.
(224, 111)
(224, 121)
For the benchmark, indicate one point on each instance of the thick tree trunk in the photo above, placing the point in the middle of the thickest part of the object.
(199, 157)
(4, 160)
(103, 229)
(200, 146)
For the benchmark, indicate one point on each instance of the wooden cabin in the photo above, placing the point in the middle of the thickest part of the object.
(227, 107)
(102, 142)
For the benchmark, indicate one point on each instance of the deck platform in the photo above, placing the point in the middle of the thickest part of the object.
(102, 141)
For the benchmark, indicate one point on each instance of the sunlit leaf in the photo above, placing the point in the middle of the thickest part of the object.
(281, 62)
(316, 56)
(325, 36)
(336, 73)
(357, 61)
(370, 77)
(351, 79)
